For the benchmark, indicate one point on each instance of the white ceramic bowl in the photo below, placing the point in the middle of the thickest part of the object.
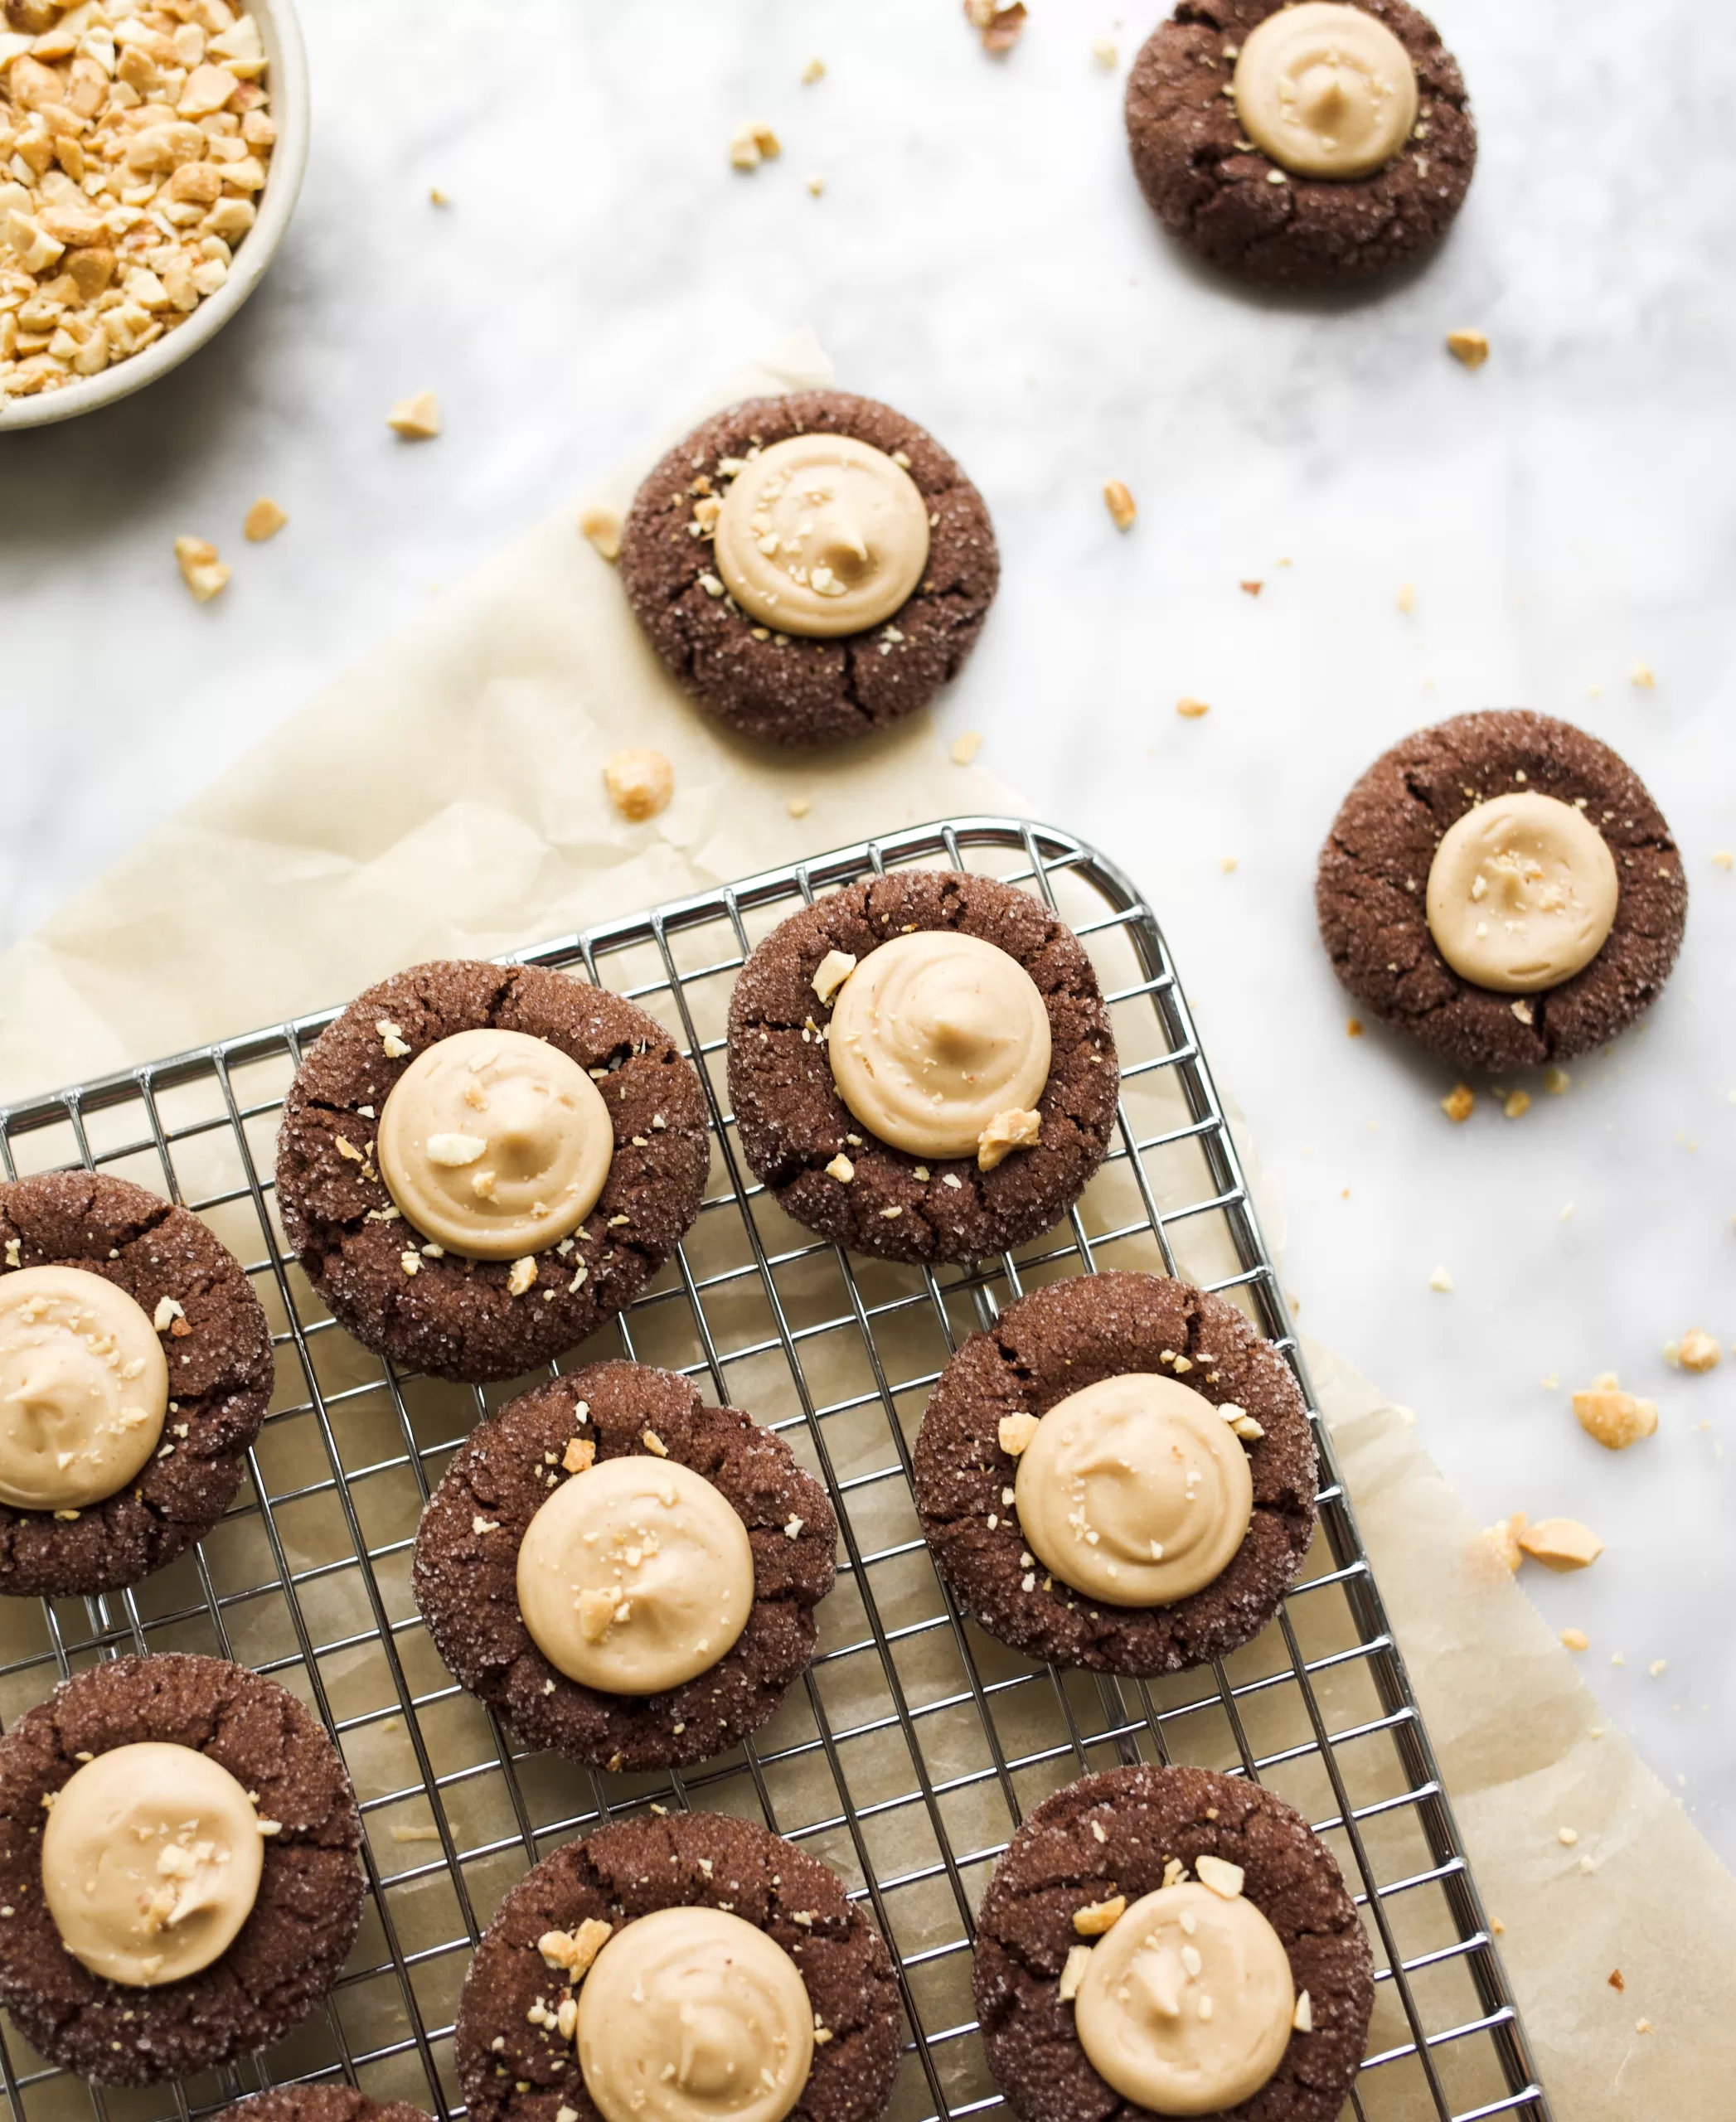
(287, 78)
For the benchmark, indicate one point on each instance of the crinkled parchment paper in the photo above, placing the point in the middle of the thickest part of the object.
(445, 798)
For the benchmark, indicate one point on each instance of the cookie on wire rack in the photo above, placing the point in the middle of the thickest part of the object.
(626, 1573)
(1175, 1941)
(178, 1872)
(320, 2103)
(586, 1991)
(480, 1164)
(1118, 1475)
(922, 1066)
(135, 1370)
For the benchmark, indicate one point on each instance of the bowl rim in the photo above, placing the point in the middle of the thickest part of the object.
(289, 100)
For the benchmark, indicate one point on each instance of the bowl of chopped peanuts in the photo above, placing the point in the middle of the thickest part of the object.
(151, 152)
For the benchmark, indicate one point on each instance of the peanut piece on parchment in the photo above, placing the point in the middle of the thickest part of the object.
(640, 783)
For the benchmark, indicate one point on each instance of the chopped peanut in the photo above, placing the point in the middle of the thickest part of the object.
(572, 1952)
(833, 970)
(200, 570)
(1224, 1879)
(1072, 1972)
(754, 143)
(1096, 1916)
(418, 418)
(1560, 1543)
(1120, 503)
(1015, 1129)
(1015, 1433)
(1503, 1537)
(1698, 1351)
(264, 521)
(1458, 1104)
(602, 527)
(640, 782)
(1470, 347)
(1615, 1418)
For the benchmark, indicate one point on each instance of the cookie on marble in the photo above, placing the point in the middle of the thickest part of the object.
(1503, 888)
(222, 1917)
(1310, 145)
(1119, 1475)
(810, 569)
(479, 1164)
(1203, 1886)
(849, 1013)
(626, 1926)
(618, 1650)
(135, 1370)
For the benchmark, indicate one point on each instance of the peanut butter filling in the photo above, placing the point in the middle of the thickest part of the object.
(1326, 90)
(1187, 2006)
(1522, 894)
(635, 1575)
(822, 536)
(495, 1144)
(694, 2015)
(84, 1388)
(152, 1860)
(935, 1035)
(1135, 1491)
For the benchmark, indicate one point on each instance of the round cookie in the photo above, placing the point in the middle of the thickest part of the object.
(322, 2102)
(477, 1320)
(1048, 1346)
(794, 1125)
(465, 1579)
(1115, 1833)
(1371, 889)
(304, 1917)
(785, 687)
(1234, 205)
(515, 2065)
(217, 1348)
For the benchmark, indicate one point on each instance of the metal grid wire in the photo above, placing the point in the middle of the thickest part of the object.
(916, 1744)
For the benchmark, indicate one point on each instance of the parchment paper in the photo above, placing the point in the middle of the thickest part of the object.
(445, 798)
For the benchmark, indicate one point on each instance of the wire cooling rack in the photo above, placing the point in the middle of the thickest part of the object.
(916, 1744)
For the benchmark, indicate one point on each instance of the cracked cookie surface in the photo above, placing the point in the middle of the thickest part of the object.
(1054, 1343)
(463, 1319)
(793, 1123)
(322, 2102)
(1374, 873)
(219, 1356)
(1215, 193)
(790, 690)
(304, 1919)
(466, 1580)
(514, 2068)
(1113, 1834)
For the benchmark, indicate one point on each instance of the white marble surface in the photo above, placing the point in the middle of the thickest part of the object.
(982, 258)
